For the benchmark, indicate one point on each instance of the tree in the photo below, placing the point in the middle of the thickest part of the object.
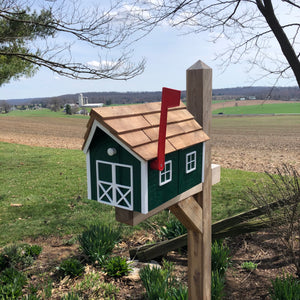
(68, 109)
(4, 106)
(46, 38)
(249, 26)
(55, 104)
(15, 30)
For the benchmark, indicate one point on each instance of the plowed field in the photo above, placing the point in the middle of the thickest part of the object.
(247, 143)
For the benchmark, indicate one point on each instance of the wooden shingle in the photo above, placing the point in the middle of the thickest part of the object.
(138, 127)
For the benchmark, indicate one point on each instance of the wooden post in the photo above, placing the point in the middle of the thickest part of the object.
(199, 97)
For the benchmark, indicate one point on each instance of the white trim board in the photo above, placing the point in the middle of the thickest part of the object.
(203, 161)
(88, 175)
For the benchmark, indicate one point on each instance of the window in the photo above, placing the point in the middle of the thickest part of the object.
(165, 175)
(190, 162)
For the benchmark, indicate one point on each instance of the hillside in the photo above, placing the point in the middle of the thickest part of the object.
(259, 92)
(277, 93)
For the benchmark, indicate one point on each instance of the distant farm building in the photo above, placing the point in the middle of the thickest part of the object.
(83, 102)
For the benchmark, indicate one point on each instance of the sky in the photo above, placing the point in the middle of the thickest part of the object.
(168, 54)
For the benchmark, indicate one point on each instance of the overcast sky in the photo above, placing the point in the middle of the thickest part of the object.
(168, 54)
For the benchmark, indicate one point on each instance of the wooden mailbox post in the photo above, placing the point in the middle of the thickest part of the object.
(131, 167)
(199, 97)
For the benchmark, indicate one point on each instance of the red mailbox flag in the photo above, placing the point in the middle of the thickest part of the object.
(170, 98)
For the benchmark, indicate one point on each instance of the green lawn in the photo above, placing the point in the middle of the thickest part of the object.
(279, 108)
(50, 184)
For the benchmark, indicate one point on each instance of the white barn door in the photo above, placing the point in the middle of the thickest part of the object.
(115, 184)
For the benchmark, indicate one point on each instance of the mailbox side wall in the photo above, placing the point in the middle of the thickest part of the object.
(181, 181)
(157, 194)
(188, 180)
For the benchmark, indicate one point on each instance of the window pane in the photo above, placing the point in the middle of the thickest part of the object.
(190, 162)
(166, 174)
(104, 172)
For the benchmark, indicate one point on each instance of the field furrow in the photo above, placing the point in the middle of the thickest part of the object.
(246, 143)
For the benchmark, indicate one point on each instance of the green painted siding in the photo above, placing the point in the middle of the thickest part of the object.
(98, 151)
(187, 181)
(160, 194)
(181, 181)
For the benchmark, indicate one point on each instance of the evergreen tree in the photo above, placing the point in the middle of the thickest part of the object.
(16, 31)
(68, 109)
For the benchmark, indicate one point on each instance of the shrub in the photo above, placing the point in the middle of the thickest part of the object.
(71, 296)
(89, 282)
(180, 292)
(172, 229)
(285, 288)
(47, 290)
(220, 259)
(4, 262)
(249, 265)
(155, 282)
(161, 284)
(33, 250)
(98, 242)
(39, 292)
(280, 196)
(92, 286)
(71, 267)
(11, 283)
(217, 285)
(117, 267)
(31, 297)
(19, 256)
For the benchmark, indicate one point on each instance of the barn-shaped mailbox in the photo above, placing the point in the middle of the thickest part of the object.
(121, 142)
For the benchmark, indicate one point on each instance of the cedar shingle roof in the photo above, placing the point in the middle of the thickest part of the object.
(138, 125)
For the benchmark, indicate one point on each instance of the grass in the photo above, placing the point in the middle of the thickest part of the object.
(278, 108)
(50, 186)
(228, 196)
(249, 265)
(43, 112)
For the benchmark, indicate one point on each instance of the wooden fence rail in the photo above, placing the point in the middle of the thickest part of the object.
(229, 227)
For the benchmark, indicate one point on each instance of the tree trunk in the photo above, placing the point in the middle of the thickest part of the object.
(267, 10)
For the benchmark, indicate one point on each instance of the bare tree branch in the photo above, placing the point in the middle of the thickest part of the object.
(249, 26)
(69, 24)
(81, 71)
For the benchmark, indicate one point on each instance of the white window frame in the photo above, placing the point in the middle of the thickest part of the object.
(165, 175)
(190, 165)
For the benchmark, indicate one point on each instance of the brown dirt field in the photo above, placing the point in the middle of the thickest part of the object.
(43, 131)
(246, 143)
(256, 143)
